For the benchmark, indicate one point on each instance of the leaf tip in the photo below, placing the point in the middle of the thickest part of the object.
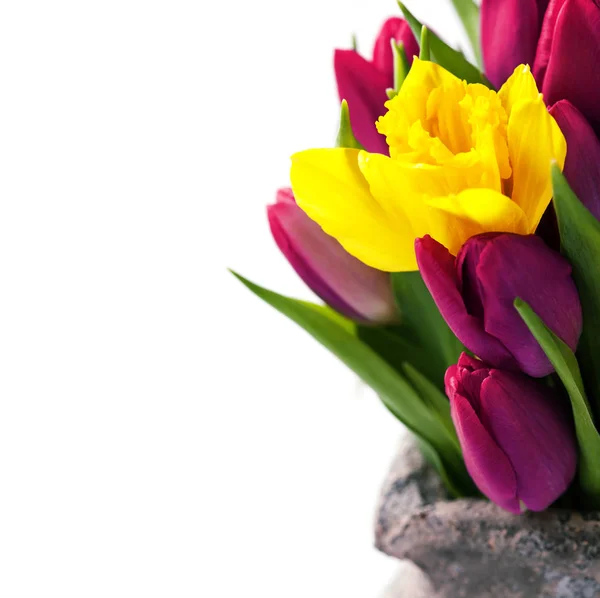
(243, 280)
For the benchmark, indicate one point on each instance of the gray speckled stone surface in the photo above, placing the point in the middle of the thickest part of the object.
(472, 548)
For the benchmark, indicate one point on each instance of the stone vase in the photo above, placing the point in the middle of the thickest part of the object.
(472, 548)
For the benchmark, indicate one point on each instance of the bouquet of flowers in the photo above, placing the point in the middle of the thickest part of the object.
(452, 233)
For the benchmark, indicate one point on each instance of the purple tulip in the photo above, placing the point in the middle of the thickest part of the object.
(582, 166)
(363, 83)
(344, 283)
(510, 30)
(516, 435)
(476, 290)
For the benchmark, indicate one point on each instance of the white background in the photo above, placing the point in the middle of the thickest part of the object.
(163, 432)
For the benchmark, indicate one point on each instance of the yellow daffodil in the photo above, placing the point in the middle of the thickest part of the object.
(463, 160)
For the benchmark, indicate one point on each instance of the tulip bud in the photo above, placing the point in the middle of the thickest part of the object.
(509, 35)
(383, 57)
(516, 435)
(343, 282)
(363, 83)
(476, 290)
(582, 165)
(566, 61)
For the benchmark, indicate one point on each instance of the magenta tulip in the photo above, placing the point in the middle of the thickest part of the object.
(516, 435)
(344, 283)
(475, 294)
(560, 39)
(363, 83)
(567, 58)
(510, 30)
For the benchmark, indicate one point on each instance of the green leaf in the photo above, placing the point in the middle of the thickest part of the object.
(423, 323)
(456, 488)
(395, 392)
(580, 243)
(333, 315)
(369, 366)
(565, 364)
(444, 55)
(345, 137)
(397, 346)
(468, 13)
(440, 405)
(437, 401)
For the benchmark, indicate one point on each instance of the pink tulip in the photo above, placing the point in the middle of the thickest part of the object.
(343, 282)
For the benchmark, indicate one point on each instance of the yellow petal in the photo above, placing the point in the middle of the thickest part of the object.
(392, 182)
(534, 141)
(401, 190)
(454, 219)
(411, 103)
(423, 77)
(520, 87)
(330, 188)
(445, 121)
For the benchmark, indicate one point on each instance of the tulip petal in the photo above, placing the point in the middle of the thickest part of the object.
(544, 49)
(343, 282)
(487, 464)
(535, 433)
(532, 184)
(437, 267)
(383, 58)
(466, 270)
(454, 219)
(514, 266)
(542, 8)
(363, 86)
(331, 189)
(573, 63)
(509, 34)
(582, 166)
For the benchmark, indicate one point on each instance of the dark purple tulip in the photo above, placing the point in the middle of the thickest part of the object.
(363, 83)
(566, 66)
(582, 166)
(344, 283)
(516, 435)
(476, 290)
(510, 30)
